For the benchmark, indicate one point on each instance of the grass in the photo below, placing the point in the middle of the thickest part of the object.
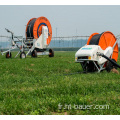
(38, 85)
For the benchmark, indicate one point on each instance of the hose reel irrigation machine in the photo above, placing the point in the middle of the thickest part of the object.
(38, 37)
(100, 52)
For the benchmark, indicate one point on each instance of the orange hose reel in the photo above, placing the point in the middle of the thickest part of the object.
(34, 28)
(104, 40)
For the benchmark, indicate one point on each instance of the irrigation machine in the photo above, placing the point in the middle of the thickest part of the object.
(100, 52)
(38, 37)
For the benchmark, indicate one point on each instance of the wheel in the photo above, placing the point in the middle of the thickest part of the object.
(84, 66)
(88, 66)
(51, 53)
(91, 67)
(34, 53)
(8, 55)
(22, 55)
(110, 66)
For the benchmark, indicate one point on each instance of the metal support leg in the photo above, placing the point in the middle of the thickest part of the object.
(8, 51)
(101, 67)
(28, 52)
(96, 66)
(17, 54)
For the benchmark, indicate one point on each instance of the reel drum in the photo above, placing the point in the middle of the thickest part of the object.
(104, 40)
(34, 28)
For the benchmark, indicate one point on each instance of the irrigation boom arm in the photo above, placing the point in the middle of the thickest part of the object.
(9, 31)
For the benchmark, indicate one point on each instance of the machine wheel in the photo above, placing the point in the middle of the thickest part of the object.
(34, 54)
(51, 53)
(8, 55)
(22, 55)
(88, 66)
(110, 66)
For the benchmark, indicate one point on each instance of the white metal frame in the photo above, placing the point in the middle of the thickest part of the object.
(23, 47)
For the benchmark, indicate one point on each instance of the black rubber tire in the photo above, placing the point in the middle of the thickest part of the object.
(110, 66)
(8, 56)
(91, 67)
(34, 54)
(88, 67)
(22, 55)
(51, 53)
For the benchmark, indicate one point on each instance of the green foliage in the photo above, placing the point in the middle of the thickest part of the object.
(38, 85)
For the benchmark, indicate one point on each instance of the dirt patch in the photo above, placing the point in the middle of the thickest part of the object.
(67, 70)
(32, 64)
(115, 71)
(28, 69)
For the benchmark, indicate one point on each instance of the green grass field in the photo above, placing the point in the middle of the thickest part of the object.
(39, 86)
